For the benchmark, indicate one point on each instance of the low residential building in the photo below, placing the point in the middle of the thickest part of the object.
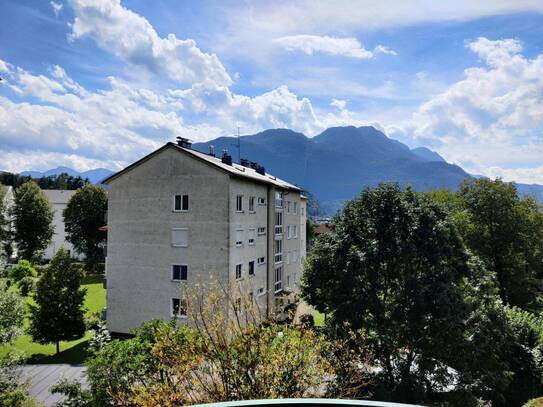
(179, 218)
(59, 200)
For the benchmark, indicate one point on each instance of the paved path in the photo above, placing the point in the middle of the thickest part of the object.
(42, 377)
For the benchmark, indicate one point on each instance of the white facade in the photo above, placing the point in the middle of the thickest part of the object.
(178, 219)
(59, 199)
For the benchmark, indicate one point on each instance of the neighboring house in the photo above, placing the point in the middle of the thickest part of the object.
(59, 199)
(179, 218)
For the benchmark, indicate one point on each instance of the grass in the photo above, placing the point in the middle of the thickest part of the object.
(73, 352)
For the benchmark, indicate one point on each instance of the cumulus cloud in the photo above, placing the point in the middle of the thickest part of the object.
(4, 66)
(132, 38)
(340, 104)
(493, 117)
(346, 47)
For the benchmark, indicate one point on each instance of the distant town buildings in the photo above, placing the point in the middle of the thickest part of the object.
(179, 219)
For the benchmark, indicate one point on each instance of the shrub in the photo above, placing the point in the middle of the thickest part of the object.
(26, 285)
(23, 269)
(538, 402)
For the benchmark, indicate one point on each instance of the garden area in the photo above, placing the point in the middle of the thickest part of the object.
(72, 352)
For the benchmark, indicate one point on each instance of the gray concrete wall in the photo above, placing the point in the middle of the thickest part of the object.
(140, 222)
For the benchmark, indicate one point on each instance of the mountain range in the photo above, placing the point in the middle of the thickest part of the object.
(333, 166)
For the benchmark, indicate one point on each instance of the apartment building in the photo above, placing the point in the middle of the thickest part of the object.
(59, 200)
(179, 219)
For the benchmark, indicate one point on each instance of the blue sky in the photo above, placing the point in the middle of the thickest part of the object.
(90, 83)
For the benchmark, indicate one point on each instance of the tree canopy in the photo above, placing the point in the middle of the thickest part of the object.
(58, 314)
(83, 215)
(33, 220)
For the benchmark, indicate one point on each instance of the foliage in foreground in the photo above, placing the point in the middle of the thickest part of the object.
(11, 314)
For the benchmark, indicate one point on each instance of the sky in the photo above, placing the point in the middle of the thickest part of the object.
(100, 83)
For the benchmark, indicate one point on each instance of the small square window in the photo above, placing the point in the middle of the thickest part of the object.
(179, 272)
(261, 201)
(252, 268)
(238, 271)
(179, 307)
(180, 237)
(261, 260)
(181, 203)
(261, 230)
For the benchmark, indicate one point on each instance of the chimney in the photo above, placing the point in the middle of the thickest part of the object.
(258, 168)
(184, 142)
(245, 162)
(226, 158)
(212, 150)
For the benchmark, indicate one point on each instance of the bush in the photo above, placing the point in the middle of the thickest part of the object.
(23, 269)
(26, 285)
(538, 402)
(93, 320)
(95, 268)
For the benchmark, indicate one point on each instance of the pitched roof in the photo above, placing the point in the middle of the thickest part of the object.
(235, 169)
(58, 196)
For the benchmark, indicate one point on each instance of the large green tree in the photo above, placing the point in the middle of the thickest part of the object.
(33, 220)
(506, 232)
(58, 314)
(83, 215)
(395, 267)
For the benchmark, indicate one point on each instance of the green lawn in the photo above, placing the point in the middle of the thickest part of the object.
(71, 352)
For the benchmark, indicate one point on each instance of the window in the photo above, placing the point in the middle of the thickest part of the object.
(181, 203)
(288, 281)
(295, 207)
(252, 268)
(179, 307)
(260, 291)
(288, 232)
(262, 230)
(288, 257)
(294, 232)
(180, 237)
(288, 206)
(251, 204)
(261, 260)
(239, 203)
(251, 237)
(278, 284)
(261, 201)
(179, 272)
(278, 200)
(238, 271)
(239, 237)
(278, 223)
(302, 211)
(294, 256)
(278, 251)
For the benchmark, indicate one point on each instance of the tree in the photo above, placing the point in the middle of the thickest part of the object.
(506, 232)
(394, 266)
(33, 217)
(83, 215)
(58, 315)
(11, 314)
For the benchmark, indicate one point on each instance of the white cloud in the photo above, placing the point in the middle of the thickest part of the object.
(493, 118)
(132, 38)
(340, 104)
(381, 49)
(309, 44)
(4, 66)
(57, 7)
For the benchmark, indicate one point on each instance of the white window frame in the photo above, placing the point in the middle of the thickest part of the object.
(278, 256)
(261, 230)
(278, 199)
(295, 207)
(240, 271)
(180, 279)
(278, 279)
(249, 269)
(188, 203)
(188, 238)
(185, 307)
(239, 243)
(288, 232)
(239, 203)
(261, 201)
(251, 238)
(278, 226)
(294, 231)
(260, 263)
(288, 206)
(251, 204)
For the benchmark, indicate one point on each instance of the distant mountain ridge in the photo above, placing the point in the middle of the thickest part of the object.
(335, 165)
(95, 176)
